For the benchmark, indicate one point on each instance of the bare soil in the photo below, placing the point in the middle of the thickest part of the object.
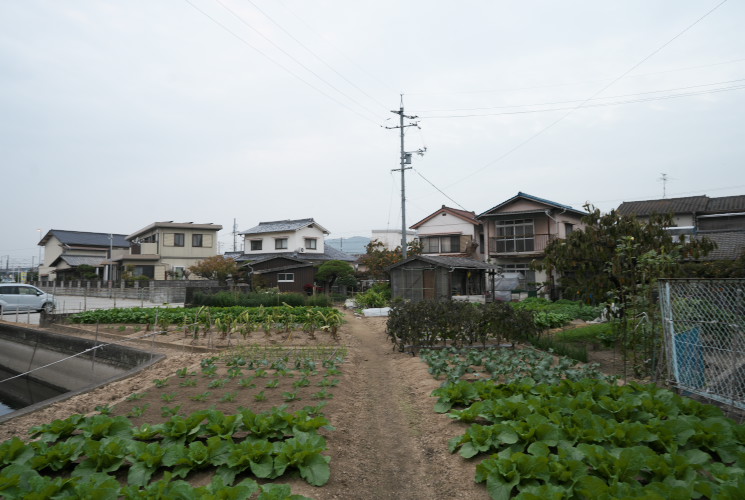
(388, 442)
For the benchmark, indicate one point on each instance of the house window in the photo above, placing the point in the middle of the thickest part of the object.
(196, 240)
(148, 271)
(256, 244)
(285, 277)
(178, 272)
(178, 239)
(280, 244)
(526, 275)
(441, 244)
(310, 243)
(568, 228)
(515, 236)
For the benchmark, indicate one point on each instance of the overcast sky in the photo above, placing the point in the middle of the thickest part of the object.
(117, 114)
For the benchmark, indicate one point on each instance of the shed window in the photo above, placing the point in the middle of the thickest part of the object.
(285, 277)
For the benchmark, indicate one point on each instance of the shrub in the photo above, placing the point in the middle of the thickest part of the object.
(430, 323)
(379, 295)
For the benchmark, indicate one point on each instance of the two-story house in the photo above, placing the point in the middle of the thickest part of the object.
(518, 230)
(285, 254)
(65, 251)
(165, 249)
(453, 232)
(721, 219)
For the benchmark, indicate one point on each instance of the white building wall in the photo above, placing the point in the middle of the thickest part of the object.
(295, 241)
(445, 224)
(391, 238)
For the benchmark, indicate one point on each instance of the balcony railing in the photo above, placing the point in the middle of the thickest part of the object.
(520, 245)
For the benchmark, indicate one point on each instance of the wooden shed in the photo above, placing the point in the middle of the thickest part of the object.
(436, 277)
(285, 273)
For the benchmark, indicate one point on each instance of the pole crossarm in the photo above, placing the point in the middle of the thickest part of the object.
(405, 159)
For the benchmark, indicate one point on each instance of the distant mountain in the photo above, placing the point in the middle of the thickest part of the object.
(355, 245)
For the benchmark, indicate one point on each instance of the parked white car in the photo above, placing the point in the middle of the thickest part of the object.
(20, 297)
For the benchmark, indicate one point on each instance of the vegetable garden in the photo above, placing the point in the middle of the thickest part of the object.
(239, 423)
(557, 434)
(134, 451)
(228, 322)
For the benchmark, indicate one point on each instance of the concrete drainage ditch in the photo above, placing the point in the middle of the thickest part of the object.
(41, 368)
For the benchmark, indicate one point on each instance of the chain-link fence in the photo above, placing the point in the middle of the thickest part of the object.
(704, 324)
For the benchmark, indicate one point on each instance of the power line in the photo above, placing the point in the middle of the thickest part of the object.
(293, 58)
(570, 84)
(277, 63)
(603, 89)
(597, 105)
(579, 100)
(349, 59)
(317, 56)
(438, 189)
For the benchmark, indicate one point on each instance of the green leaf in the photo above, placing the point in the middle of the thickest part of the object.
(14, 450)
(315, 470)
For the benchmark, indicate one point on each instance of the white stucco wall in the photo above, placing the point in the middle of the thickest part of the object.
(295, 241)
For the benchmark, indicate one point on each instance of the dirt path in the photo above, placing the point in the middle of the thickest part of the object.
(388, 442)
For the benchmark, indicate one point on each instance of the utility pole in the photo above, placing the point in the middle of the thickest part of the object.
(405, 160)
(235, 232)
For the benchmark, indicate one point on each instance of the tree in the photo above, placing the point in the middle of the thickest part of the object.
(613, 253)
(332, 270)
(618, 259)
(215, 268)
(86, 272)
(378, 258)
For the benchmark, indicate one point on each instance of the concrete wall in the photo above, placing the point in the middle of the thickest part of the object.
(26, 349)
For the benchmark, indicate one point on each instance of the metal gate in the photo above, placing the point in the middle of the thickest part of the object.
(704, 327)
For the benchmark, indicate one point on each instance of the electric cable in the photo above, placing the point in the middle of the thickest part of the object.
(438, 189)
(570, 84)
(317, 56)
(597, 105)
(277, 63)
(293, 58)
(419, 112)
(598, 92)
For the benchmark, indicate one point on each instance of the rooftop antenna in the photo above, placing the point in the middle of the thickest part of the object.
(664, 184)
(665, 178)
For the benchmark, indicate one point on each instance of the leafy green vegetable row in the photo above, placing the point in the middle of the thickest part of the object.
(274, 442)
(570, 309)
(22, 482)
(225, 319)
(505, 365)
(589, 438)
